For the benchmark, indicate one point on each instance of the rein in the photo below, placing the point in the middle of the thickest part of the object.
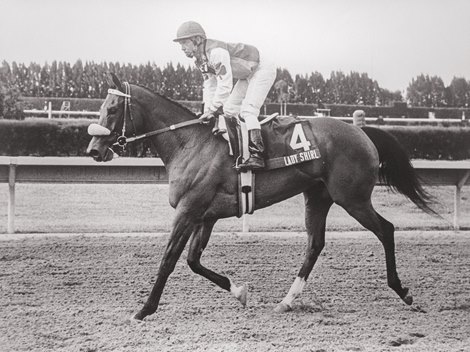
(98, 130)
(154, 133)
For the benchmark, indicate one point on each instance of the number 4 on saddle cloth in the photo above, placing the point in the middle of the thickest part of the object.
(288, 141)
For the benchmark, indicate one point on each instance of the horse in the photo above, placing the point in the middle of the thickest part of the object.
(203, 183)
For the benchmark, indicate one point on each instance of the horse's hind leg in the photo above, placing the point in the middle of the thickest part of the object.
(198, 243)
(385, 232)
(317, 205)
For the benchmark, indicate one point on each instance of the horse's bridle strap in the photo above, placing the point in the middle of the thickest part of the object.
(123, 140)
(163, 130)
(118, 93)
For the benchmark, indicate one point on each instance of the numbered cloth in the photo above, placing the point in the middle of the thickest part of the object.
(288, 141)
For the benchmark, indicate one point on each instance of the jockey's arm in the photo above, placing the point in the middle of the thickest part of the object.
(220, 60)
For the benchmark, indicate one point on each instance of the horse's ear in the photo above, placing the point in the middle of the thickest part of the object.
(113, 81)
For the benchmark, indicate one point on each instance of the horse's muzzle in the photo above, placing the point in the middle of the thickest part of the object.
(99, 150)
(107, 155)
(95, 155)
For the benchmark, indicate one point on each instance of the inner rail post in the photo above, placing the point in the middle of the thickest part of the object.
(11, 196)
(457, 198)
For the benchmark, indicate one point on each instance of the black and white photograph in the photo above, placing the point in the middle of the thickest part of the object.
(234, 176)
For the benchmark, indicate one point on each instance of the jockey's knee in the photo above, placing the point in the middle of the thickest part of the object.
(231, 111)
(252, 122)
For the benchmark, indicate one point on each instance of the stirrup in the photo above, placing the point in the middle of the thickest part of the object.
(247, 165)
(218, 131)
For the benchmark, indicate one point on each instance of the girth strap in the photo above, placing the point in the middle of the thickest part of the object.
(246, 178)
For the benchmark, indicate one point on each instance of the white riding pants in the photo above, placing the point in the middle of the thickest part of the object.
(248, 95)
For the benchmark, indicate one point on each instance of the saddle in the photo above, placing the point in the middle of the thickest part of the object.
(288, 141)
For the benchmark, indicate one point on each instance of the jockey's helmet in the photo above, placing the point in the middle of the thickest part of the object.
(188, 30)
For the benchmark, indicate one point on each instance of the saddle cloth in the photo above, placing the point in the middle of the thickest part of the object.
(287, 140)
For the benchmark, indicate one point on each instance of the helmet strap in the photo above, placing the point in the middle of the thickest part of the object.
(197, 40)
(200, 44)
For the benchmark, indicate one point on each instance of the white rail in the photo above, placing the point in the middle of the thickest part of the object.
(392, 119)
(49, 113)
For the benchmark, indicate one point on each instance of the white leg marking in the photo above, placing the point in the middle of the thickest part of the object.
(295, 291)
(239, 292)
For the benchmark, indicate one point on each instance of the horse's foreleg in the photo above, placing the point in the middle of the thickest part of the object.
(197, 245)
(317, 205)
(182, 229)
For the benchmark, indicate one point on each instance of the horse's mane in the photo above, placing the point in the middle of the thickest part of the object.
(166, 98)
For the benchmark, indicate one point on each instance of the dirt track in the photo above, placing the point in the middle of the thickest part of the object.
(76, 293)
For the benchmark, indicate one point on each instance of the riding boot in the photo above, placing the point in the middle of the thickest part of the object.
(215, 129)
(218, 130)
(256, 149)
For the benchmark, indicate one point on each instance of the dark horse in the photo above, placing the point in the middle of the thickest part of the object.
(203, 182)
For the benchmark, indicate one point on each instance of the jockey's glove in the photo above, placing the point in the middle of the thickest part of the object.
(207, 117)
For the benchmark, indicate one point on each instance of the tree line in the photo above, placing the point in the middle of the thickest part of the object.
(88, 80)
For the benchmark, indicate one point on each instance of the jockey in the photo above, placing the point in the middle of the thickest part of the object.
(221, 63)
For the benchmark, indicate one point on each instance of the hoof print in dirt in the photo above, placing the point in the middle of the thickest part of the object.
(401, 341)
(417, 334)
(418, 309)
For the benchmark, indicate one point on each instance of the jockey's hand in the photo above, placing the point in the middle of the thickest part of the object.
(207, 117)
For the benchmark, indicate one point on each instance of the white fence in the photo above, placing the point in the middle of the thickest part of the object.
(50, 113)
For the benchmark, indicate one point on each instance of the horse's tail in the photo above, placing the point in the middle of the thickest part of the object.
(396, 170)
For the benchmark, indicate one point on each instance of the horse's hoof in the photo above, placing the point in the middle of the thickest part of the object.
(138, 317)
(282, 308)
(240, 292)
(243, 295)
(407, 297)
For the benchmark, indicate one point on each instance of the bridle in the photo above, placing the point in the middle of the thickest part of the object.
(97, 130)
(122, 139)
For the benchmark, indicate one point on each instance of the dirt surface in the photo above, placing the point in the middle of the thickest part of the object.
(76, 293)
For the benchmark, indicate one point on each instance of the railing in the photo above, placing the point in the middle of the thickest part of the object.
(372, 120)
(151, 170)
(392, 120)
(49, 112)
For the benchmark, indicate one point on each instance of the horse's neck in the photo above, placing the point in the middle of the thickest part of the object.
(163, 113)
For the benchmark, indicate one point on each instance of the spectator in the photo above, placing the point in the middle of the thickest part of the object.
(359, 118)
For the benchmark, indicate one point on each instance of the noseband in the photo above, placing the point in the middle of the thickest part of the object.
(97, 130)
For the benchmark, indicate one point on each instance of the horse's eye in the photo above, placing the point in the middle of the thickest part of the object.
(112, 110)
